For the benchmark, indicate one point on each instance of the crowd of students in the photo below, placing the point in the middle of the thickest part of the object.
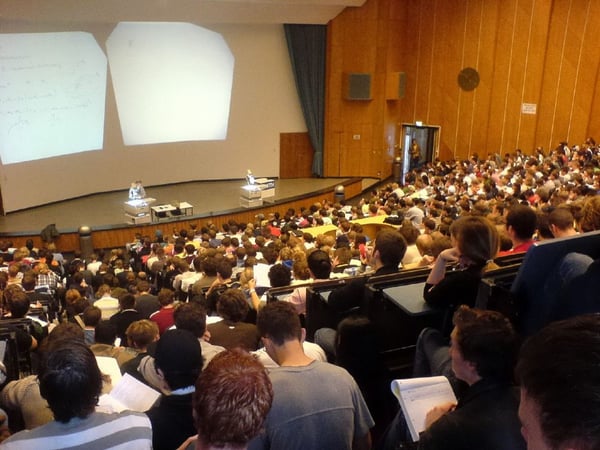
(165, 306)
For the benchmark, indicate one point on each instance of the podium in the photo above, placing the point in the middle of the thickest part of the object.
(138, 211)
(266, 186)
(252, 195)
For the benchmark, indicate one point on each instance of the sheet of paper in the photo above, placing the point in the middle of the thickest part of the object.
(133, 394)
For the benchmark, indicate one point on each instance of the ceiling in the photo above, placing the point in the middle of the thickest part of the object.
(200, 11)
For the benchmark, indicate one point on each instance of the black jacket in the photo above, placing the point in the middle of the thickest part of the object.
(485, 418)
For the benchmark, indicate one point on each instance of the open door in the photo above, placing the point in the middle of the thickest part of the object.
(420, 145)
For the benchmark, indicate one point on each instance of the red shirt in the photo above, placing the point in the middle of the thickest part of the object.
(163, 318)
(521, 248)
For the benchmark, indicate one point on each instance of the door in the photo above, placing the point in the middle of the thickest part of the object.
(419, 146)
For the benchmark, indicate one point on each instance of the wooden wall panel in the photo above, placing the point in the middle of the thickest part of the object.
(295, 155)
(526, 51)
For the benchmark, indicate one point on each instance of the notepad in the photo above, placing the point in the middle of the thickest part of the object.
(417, 396)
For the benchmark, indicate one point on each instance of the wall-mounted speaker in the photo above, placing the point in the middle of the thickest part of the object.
(357, 86)
(395, 86)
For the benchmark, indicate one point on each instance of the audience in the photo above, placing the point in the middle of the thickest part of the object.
(456, 217)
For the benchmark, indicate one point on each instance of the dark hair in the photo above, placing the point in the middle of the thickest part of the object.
(559, 369)
(488, 340)
(279, 322)
(391, 246)
(562, 218)
(91, 316)
(179, 356)
(70, 380)
(224, 268)
(18, 304)
(106, 332)
(523, 220)
(232, 398)
(190, 316)
(232, 305)
(280, 275)
(319, 264)
(126, 301)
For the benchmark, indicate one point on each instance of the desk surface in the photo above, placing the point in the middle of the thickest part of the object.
(409, 298)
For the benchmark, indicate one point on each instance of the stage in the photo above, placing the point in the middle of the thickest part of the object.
(105, 211)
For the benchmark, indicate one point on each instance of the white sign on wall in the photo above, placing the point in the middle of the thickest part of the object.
(529, 108)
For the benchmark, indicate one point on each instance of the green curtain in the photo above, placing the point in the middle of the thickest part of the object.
(307, 47)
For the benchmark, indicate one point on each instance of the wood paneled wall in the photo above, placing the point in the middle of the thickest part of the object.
(295, 155)
(544, 53)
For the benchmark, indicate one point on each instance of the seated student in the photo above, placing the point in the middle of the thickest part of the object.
(104, 345)
(475, 245)
(126, 316)
(108, 304)
(71, 382)
(232, 398)
(558, 370)
(140, 334)
(23, 396)
(232, 332)
(18, 305)
(222, 282)
(521, 222)
(179, 362)
(164, 316)
(324, 409)
(191, 317)
(483, 353)
(388, 250)
(91, 317)
(319, 267)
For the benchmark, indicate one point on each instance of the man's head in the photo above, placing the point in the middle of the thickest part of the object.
(70, 380)
(279, 322)
(559, 374)
(484, 345)
(179, 358)
(166, 297)
(141, 333)
(521, 221)
(561, 221)
(389, 248)
(319, 264)
(232, 398)
(280, 275)
(192, 317)
(232, 305)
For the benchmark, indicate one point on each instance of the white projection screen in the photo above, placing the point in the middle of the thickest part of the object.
(52, 95)
(172, 82)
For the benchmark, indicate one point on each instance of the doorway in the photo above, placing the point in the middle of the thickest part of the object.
(420, 145)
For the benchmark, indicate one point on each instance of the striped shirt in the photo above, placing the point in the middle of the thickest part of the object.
(99, 431)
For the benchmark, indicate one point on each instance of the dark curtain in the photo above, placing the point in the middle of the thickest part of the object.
(307, 46)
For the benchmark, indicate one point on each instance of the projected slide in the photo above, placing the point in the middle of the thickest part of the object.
(52, 95)
(172, 82)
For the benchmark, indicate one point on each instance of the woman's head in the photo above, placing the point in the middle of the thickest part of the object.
(476, 239)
